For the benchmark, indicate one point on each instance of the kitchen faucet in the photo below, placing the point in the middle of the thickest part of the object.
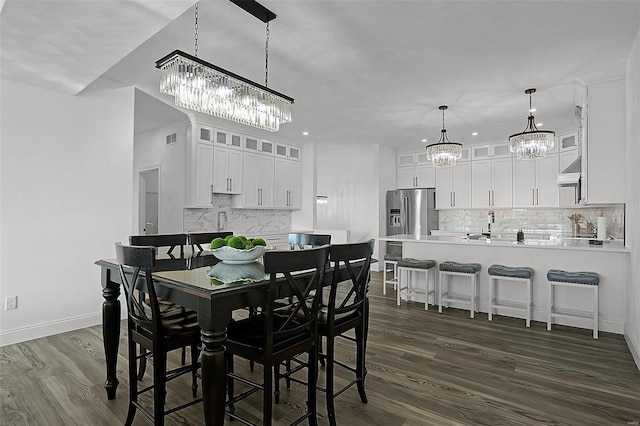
(491, 218)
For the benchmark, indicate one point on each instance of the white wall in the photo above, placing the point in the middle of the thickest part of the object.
(66, 189)
(348, 176)
(151, 151)
(632, 324)
(306, 218)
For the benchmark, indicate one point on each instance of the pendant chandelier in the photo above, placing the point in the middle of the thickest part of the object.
(531, 143)
(201, 86)
(444, 153)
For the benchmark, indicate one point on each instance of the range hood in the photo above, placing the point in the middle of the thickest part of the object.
(571, 175)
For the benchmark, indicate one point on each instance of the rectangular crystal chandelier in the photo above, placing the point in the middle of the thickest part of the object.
(201, 86)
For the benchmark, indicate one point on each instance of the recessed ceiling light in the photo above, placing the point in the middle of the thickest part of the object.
(424, 140)
(474, 134)
(305, 133)
(538, 124)
(532, 110)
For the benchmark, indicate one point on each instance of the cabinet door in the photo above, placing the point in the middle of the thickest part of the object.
(204, 174)
(462, 186)
(280, 183)
(235, 171)
(250, 180)
(220, 170)
(425, 176)
(444, 187)
(404, 160)
(406, 177)
(523, 183)
(481, 188)
(294, 186)
(547, 181)
(501, 183)
(266, 176)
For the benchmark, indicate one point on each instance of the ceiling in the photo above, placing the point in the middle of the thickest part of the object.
(361, 72)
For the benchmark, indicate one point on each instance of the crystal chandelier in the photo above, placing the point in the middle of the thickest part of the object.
(201, 86)
(531, 143)
(444, 153)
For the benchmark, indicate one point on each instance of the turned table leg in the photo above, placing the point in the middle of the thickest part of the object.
(110, 329)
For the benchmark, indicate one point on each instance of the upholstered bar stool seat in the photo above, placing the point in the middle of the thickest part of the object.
(406, 268)
(520, 274)
(392, 260)
(449, 269)
(584, 280)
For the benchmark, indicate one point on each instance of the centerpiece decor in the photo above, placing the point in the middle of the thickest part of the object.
(238, 249)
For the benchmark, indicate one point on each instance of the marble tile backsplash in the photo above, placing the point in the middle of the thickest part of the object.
(551, 221)
(221, 216)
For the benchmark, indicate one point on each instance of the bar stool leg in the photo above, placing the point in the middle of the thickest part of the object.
(492, 282)
(427, 274)
(384, 279)
(440, 284)
(549, 314)
(399, 290)
(473, 295)
(529, 302)
(595, 312)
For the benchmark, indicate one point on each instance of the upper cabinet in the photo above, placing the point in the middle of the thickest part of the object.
(603, 151)
(415, 171)
(535, 182)
(227, 138)
(287, 151)
(453, 186)
(257, 181)
(287, 184)
(263, 146)
(491, 183)
(227, 170)
(483, 152)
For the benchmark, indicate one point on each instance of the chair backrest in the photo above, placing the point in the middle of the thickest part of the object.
(312, 240)
(292, 318)
(353, 291)
(197, 239)
(161, 240)
(142, 302)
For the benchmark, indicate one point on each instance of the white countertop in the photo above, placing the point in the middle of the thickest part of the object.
(557, 243)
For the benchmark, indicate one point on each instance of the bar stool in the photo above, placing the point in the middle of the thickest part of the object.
(390, 259)
(449, 269)
(508, 273)
(406, 268)
(585, 280)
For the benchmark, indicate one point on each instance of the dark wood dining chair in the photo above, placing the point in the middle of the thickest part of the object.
(168, 242)
(284, 329)
(155, 328)
(197, 239)
(345, 309)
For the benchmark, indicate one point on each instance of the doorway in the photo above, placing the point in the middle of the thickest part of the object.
(148, 210)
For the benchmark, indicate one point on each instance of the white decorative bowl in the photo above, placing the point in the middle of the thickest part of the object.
(233, 255)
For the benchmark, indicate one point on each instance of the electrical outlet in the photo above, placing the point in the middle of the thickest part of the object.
(11, 303)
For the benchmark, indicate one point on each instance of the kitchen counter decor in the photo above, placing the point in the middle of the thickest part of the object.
(238, 249)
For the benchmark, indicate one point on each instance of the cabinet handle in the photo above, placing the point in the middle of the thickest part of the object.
(489, 197)
(211, 198)
(230, 184)
(537, 196)
(533, 196)
(451, 199)
(493, 198)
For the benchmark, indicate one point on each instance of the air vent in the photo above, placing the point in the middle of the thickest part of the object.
(171, 139)
(578, 112)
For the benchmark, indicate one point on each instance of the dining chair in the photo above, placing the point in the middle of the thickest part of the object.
(157, 329)
(196, 239)
(345, 309)
(287, 327)
(170, 242)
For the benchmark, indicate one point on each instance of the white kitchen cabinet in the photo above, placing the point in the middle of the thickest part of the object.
(287, 184)
(203, 174)
(251, 143)
(453, 186)
(604, 152)
(568, 141)
(257, 181)
(483, 152)
(287, 151)
(227, 138)
(491, 183)
(535, 182)
(423, 176)
(227, 170)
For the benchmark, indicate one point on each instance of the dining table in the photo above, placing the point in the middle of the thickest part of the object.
(213, 289)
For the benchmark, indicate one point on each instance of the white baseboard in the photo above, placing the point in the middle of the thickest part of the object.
(36, 331)
(635, 351)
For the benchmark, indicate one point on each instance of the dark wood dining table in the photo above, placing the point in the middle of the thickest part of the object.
(186, 281)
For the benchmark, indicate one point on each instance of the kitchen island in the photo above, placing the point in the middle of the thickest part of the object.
(609, 260)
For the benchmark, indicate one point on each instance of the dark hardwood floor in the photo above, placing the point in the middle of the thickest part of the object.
(424, 368)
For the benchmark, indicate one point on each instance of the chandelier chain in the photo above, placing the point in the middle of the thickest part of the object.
(196, 33)
(266, 58)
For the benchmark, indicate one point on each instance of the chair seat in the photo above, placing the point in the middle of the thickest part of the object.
(511, 271)
(250, 333)
(587, 278)
(416, 263)
(463, 268)
(392, 257)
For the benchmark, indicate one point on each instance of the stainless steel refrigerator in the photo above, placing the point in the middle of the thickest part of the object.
(411, 212)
